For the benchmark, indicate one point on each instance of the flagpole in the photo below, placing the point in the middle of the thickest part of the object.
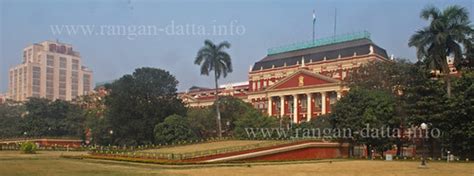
(314, 20)
(335, 23)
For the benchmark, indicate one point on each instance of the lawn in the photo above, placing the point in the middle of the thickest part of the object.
(342, 168)
(49, 163)
(206, 146)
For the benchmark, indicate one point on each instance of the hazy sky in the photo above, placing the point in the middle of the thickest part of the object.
(256, 26)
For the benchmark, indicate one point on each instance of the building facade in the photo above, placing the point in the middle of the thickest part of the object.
(301, 81)
(202, 97)
(51, 70)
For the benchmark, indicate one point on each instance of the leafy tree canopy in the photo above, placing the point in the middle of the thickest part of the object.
(138, 102)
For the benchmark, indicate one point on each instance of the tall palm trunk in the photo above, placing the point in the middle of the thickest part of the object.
(448, 84)
(219, 127)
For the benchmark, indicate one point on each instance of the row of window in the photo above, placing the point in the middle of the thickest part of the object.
(36, 80)
(62, 62)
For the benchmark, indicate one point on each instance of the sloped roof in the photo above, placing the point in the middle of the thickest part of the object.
(331, 52)
(328, 80)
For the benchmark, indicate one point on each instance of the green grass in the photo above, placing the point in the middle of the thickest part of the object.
(50, 163)
(205, 146)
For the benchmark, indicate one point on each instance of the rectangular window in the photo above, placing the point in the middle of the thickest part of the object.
(50, 91)
(50, 70)
(50, 60)
(74, 93)
(317, 102)
(36, 88)
(62, 85)
(62, 62)
(36, 82)
(86, 82)
(332, 98)
(36, 69)
(75, 64)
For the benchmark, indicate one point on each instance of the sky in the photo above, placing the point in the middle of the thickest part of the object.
(116, 37)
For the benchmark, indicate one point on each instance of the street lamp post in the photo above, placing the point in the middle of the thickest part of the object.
(423, 126)
(24, 134)
(111, 132)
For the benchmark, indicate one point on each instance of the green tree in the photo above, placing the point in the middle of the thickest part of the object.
(34, 122)
(253, 119)
(10, 116)
(425, 102)
(231, 109)
(459, 126)
(138, 102)
(52, 118)
(448, 33)
(392, 77)
(212, 57)
(202, 121)
(362, 107)
(175, 128)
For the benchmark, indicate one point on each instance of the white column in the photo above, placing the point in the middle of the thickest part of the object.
(323, 102)
(282, 106)
(295, 108)
(270, 106)
(339, 95)
(308, 106)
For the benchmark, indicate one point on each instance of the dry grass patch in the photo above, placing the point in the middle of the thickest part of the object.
(362, 168)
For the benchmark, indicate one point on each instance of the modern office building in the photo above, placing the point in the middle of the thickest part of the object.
(51, 70)
(300, 81)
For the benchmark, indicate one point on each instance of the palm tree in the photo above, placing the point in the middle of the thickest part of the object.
(448, 34)
(212, 57)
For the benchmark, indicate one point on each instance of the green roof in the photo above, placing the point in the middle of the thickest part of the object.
(320, 42)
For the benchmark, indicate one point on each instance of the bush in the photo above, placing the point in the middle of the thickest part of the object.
(28, 147)
(174, 129)
(254, 120)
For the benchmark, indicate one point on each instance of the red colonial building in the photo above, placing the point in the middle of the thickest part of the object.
(299, 81)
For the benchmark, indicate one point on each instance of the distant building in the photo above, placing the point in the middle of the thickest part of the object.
(51, 70)
(300, 81)
(3, 98)
(452, 69)
(202, 96)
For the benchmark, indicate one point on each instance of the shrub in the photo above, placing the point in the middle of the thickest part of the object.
(254, 120)
(174, 129)
(28, 147)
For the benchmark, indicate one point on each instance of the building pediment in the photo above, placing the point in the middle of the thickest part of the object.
(303, 78)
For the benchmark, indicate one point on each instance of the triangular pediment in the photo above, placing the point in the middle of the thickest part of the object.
(303, 78)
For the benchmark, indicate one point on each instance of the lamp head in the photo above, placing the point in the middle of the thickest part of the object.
(424, 126)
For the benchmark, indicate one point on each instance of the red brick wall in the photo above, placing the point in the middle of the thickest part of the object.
(305, 154)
